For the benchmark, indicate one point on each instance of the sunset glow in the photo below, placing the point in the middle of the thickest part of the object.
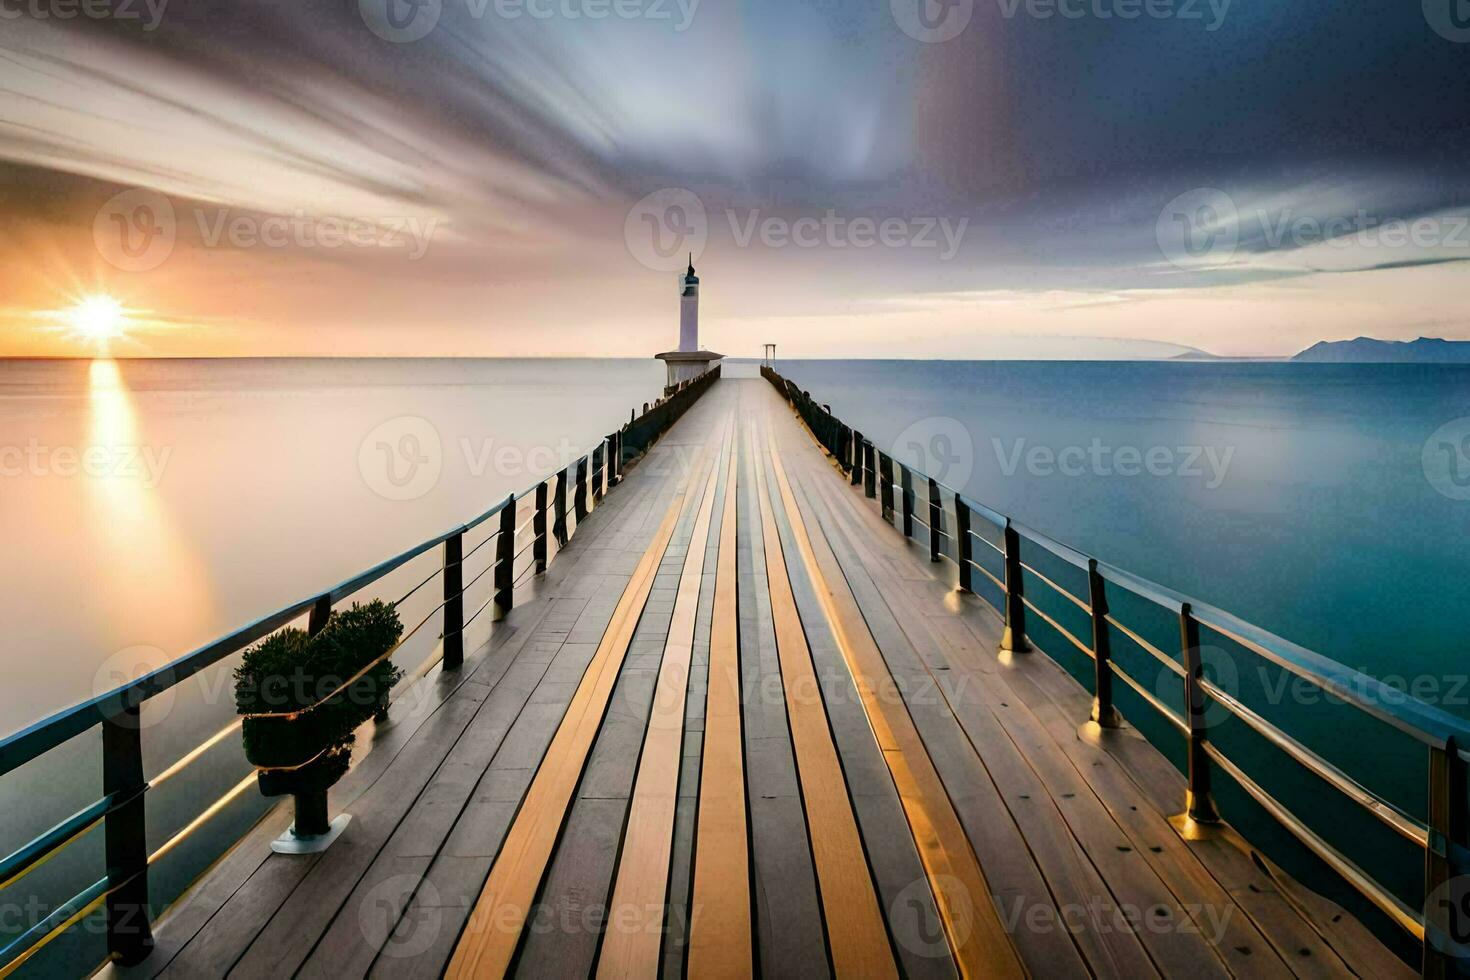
(97, 319)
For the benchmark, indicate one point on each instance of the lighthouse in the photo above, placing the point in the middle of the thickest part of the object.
(689, 361)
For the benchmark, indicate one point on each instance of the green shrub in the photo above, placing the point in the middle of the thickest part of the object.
(291, 671)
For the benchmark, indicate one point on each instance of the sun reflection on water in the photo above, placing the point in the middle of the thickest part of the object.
(145, 571)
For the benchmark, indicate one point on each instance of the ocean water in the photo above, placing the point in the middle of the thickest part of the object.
(147, 507)
(1315, 500)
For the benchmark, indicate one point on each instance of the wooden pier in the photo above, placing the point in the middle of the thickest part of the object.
(742, 726)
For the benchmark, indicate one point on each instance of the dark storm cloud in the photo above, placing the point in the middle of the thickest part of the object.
(1062, 130)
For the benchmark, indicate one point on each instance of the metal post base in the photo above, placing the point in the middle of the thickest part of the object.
(1095, 734)
(1191, 829)
(1106, 717)
(1013, 643)
(289, 843)
(1200, 820)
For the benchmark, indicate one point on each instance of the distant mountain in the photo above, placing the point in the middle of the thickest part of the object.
(1425, 350)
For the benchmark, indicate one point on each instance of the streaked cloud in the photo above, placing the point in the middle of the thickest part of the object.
(522, 140)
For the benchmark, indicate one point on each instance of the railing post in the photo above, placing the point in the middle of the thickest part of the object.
(1199, 804)
(505, 552)
(129, 935)
(906, 490)
(538, 527)
(579, 493)
(454, 601)
(599, 469)
(1444, 902)
(857, 457)
(559, 525)
(934, 517)
(615, 462)
(310, 819)
(1014, 637)
(310, 814)
(964, 547)
(885, 485)
(870, 471)
(1103, 711)
(321, 611)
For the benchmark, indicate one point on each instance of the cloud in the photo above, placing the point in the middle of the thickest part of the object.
(523, 138)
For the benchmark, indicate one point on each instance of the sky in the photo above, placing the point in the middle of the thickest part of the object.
(909, 178)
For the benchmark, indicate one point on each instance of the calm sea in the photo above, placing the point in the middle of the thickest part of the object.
(1316, 500)
(149, 506)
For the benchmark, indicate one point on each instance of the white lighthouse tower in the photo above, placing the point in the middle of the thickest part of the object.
(689, 361)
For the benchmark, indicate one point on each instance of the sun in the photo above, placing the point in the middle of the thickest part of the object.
(97, 318)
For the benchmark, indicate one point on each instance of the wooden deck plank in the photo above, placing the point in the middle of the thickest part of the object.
(631, 946)
(317, 894)
(1031, 863)
(1130, 761)
(720, 938)
(455, 878)
(686, 812)
(977, 937)
(571, 906)
(904, 889)
(1005, 718)
(1110, 880)
(857, 935)
(493, 931)
(379, 896)
(790, 940)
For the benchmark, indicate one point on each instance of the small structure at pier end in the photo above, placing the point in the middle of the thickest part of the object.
(689, 361)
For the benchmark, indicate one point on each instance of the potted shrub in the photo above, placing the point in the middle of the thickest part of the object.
(302, 696)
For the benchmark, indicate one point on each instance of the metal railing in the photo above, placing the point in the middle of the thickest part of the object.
(123, 890)
(1444, 736)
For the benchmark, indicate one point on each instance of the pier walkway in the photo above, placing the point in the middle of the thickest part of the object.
(742, 726)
